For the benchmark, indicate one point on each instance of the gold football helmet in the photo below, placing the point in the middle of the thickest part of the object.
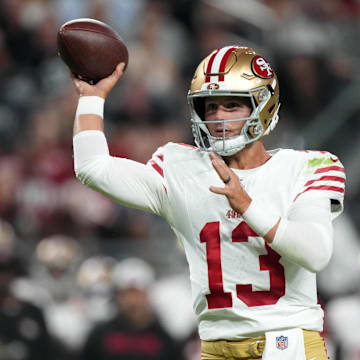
(234, 71)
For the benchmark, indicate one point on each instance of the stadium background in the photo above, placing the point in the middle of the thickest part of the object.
(67, 237)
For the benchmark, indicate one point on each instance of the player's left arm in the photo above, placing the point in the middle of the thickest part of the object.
(305, 236)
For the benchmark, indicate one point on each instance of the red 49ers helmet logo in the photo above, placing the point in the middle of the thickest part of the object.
(213, 86)
(262, 68)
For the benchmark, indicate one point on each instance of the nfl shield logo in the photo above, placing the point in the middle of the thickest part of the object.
(281, 342)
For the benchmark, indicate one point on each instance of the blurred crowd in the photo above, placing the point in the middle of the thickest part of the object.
(80, 276)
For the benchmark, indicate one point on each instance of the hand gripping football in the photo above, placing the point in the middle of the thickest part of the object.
(91, 49)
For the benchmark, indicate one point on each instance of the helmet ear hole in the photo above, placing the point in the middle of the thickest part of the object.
(271, 108)
(270, 88)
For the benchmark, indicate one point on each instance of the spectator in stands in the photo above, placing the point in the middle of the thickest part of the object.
(135, 332)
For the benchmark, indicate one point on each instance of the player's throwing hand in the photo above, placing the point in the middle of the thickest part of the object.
(103, 87)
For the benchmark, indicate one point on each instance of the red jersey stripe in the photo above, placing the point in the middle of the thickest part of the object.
(323, 178)
(160, 156)
(329, 168)
(209, 65)
(223, 62)
(322, 187)
(157, 167)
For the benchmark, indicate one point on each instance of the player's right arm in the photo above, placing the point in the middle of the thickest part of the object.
(130, 183)
(101, 90)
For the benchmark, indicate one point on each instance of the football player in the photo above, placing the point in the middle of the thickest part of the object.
(256, 225)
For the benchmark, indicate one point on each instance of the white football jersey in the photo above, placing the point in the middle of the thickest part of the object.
(240, 286)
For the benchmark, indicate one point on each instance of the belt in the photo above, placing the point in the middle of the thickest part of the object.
(252, 348)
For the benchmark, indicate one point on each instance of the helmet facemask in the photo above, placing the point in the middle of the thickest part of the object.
(252, 130)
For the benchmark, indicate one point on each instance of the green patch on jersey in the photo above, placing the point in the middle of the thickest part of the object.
(319, 162)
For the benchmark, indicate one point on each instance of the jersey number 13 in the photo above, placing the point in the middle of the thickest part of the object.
(218, 298)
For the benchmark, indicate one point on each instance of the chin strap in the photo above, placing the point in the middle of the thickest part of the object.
(227, 147)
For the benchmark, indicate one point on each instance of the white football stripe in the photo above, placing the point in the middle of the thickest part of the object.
(216, 63)
(327, 183)
(329, 173)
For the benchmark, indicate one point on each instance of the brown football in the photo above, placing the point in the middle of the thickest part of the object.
(91, 49)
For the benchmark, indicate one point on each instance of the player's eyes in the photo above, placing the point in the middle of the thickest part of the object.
(232, 105)
(211, 107)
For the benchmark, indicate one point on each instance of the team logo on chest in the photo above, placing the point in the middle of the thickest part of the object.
(281, 342)
(232, 214)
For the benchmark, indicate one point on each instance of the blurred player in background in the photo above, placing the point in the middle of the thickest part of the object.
(23, 331)
(256, 225)
(134, 333)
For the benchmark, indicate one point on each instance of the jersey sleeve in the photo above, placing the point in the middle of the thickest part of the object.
(156, 163)
(128, 182)
(322, 175)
